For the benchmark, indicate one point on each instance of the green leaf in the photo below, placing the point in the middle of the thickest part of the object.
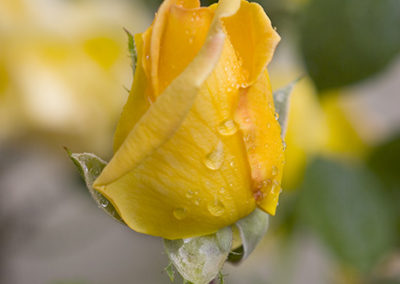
(345, 41)
(347, 208)
(170, 272)
(252, 229)
(282, 102)
(200, 259)
(132, 49)
(90, 167)
(384, 162)
(221, 277)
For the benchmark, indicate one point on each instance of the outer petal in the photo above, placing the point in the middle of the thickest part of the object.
(253, 38)
(174, 176)
(261, 133)
(137, 103)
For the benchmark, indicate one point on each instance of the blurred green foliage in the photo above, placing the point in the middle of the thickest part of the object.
(345, 41)
(347, 209)
(385, 163)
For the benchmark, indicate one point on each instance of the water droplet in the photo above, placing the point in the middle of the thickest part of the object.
(227, 127)
(216, 207)
(232, 163)
(197, 201)
(276, 115)
(190, 40)
(222, 190)
(179, 213)
(284, 145)
(266, 182)
(274, 170)
(189, 194)
(275, 186)
(248, 138)
(104, 203)
(247, 119)
(231, 185)
(215, 159)
(258, 195)
(263, 184)
(147, 57)
(229, 89)
(269, 125)
(251, 149)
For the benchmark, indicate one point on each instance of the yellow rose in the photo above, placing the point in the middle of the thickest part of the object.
(198, 145)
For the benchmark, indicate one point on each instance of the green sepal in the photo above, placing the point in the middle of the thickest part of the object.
(90, 166)
(252, 229)
(200, 259)
(282, 102)
(170, 272)
(131, 49)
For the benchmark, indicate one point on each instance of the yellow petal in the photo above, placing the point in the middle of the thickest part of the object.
(175, 176)
(137, 103)
(261, 133)
(160, 22)
(183, 36)
(253, 38)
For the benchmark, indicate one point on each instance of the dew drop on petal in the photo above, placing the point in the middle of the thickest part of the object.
(104, 203)
(227, 127)
(215, 159)
(276, 115)
(275, 187)
(197, 201)
(216, 207)
(179, 213)
(189, 194)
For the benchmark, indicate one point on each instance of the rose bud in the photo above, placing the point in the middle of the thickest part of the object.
(198, 145)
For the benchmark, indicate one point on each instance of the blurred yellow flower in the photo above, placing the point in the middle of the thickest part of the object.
(198, 145)
(59, 63)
